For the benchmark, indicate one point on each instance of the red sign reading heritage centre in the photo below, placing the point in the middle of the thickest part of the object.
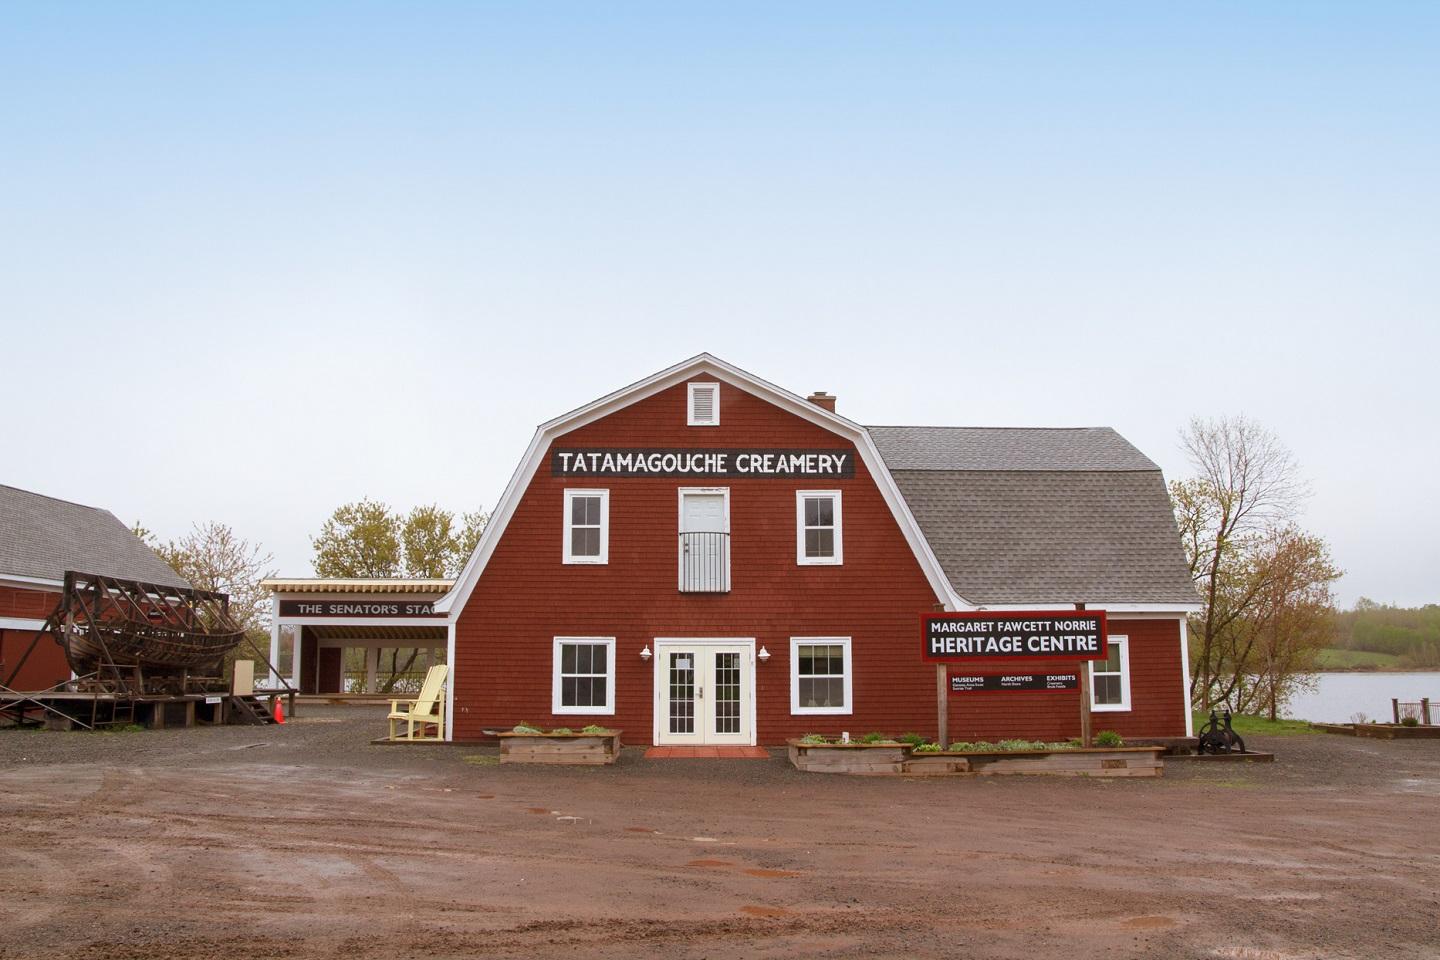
(1014, 634)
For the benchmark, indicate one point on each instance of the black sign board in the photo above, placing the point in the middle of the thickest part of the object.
(990, 682)
(994, 635)
(727, 464)
(358, 608)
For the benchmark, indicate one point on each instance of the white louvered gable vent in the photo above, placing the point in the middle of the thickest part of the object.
(704, 405)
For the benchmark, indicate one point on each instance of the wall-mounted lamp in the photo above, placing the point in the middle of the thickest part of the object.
(764, 654)
(645, 654)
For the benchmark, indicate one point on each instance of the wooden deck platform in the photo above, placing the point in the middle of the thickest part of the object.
(70, 709)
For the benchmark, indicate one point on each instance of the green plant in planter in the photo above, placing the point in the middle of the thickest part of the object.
(1409, 721)
(525, 726)
(814, 738)
(562, 730)
(914, 739)
(927, 748)
(1109, 738)
(595, 729)
(874, 737)
(1074, 743)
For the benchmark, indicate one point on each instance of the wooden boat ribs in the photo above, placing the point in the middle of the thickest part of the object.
(126, 636)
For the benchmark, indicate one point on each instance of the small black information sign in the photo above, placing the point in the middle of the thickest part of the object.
(1010, 634)
(990, 682)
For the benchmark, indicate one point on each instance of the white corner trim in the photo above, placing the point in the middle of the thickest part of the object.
(450, 681)
(702, 364)
(795, 708)
(838, 558)
(690, 391)
(566, 546)
(610, 671)
(1185, 676)
(1124, 705)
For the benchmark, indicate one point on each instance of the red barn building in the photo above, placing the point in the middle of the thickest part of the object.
(41, 538)
(706, 558)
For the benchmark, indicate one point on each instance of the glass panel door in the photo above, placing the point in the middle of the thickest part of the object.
(681, 665)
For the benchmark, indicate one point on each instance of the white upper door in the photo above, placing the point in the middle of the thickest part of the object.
(704, 542)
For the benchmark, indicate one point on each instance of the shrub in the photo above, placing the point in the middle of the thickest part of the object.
(1409, 721)
(595, 728)
(813, 738)
(1109, 738)
(927, 748)
(914, 739)
(873, 737)
(524, 726)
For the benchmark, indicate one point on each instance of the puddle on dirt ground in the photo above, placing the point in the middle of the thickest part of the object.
(708, 863)
(484, 796)
(537, 809)
(758, 872)
(755, 910)
(641, 830)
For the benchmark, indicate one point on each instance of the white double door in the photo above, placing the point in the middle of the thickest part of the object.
(704, 692)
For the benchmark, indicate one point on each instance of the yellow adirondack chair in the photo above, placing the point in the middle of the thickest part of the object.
(424, 710)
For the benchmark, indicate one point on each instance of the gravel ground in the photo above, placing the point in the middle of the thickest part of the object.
(307, 841)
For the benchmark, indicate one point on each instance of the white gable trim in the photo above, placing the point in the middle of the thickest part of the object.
(701, 365)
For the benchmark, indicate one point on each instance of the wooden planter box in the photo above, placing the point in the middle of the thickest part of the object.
(863, 759)
(570, 748)
(1397, 731)
(1077, 762)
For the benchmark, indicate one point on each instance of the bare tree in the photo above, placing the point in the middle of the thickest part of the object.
(1246, 486)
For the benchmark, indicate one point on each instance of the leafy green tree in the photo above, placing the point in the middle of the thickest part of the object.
(359, 539)
(429, 538)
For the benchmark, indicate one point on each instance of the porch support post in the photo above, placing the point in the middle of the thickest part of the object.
(1085, 704)
(372, 667)
(942, 705)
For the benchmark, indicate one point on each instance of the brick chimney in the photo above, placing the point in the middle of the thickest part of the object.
(822, 399)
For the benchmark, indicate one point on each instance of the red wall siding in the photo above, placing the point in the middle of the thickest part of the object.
(31, 604)
(526, 596)
(46, 664)
(1157, 699)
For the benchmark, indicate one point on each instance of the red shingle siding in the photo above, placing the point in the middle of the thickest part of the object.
(46, 665)
(526, 596)
(1157, 700)
(30, 604)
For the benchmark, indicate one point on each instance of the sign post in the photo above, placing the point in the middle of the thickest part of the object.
(981, 635)
(942, 706)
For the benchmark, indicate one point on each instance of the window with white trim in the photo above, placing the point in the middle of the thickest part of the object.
(820, 675)
(703, 408)
(1110, 678)
(587, 526)
(584, 675)
(817, 527)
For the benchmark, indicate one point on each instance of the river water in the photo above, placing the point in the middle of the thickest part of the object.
(1337, 697)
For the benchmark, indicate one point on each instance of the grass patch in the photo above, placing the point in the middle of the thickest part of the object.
(481, 759)
(1335, 659)
(1260, 726)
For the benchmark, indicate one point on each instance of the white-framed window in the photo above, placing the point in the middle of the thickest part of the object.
(584, 675)
(587, 526)
(703, 407)
(818, 537)
(1110, 678)
(820, 675)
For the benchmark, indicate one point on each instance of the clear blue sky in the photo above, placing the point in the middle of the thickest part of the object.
(258, 259)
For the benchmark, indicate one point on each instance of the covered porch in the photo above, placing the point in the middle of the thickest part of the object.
(356, 638)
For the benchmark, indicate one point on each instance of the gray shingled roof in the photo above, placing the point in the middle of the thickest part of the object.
(43, 537)
(1040, 515)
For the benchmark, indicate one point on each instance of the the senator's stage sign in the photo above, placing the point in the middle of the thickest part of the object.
(358, 608)
(993, 635)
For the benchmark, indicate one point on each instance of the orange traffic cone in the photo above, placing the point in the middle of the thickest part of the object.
(279, 712)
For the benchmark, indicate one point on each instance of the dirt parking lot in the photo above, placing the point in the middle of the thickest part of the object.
(306, 841)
